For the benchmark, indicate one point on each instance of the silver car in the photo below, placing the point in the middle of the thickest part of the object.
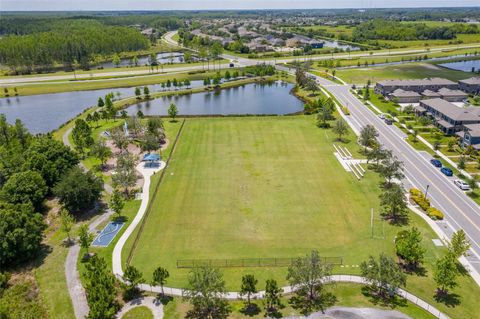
(462, 185)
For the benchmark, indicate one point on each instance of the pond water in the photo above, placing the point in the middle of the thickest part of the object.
(271, 98)
(46, 112)
(163, 58)
(465, 66)
(339, 45)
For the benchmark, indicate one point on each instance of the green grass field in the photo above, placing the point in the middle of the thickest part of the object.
(404, 71)
(269, 187)
(141, 312)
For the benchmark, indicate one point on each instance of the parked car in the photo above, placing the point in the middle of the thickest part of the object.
(382, 116)
(388, 121)
(447, 171)
(436, 162)
(232, 65)
(462, 185)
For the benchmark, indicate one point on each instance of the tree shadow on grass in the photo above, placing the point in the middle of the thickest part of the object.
(450, 300)
(163, 299)
(391, 302)
(250, 310)
(120, 219)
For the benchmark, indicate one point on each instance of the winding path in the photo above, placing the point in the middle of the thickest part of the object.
(151, 303)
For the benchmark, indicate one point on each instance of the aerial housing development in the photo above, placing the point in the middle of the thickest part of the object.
(214, 163)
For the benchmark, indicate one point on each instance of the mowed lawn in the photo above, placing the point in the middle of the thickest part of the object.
(255, 188)
(403, 71)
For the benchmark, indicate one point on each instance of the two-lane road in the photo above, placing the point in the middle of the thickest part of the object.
(461, 212)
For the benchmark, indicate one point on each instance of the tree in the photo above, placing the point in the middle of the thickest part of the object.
(82, 135)
(146, 92)
(78, 190)
(120, 140)
(21, 233)
(366, 94)
(172, 111)
(228, 76)
(394, 204)
(125, 175)
(472, 182)
(383, 276)
(451, 142)
(100, 289)
(461, 162)
(85, 237)
(408, 245)
(368, 136)
(391, 168)
(132, 277)
(135, 60)
(206, 291)
(25, 187)
(249, 283)
(308, 277)
(101, 151)
(140, 114)
(340, 128)
(66, 223)
(160, 276)
(436, 145)
(100, 102)
(116, 202)
(445, 274)
(459, 244)
(116, 60)
(138, 93)
(325, 112)
(272, 298)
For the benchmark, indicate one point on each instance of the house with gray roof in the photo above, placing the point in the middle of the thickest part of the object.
(401, 96)
(470, 136)
(427, 94)
(471, 85)
(452, 95)
(433, 84)
(447, 116)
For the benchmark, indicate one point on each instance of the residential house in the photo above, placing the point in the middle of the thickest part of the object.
(427, 94)
(452, 95)
(433, 84)
(471, 85)
(470, 136)
(401, 96)
(447, 116)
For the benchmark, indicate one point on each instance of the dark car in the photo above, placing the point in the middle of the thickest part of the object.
(388, 121)
(447, 171)
(232, 65)
(436, 162)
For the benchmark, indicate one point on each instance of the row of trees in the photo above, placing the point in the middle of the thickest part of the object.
(75, 43)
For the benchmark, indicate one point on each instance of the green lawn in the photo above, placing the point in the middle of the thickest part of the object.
(141, 312)
(404, 71)
(348, 295)
(269, 187)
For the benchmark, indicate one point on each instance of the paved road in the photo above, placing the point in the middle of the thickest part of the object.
(461, 212)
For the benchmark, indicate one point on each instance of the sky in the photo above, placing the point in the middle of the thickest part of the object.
(101, 5)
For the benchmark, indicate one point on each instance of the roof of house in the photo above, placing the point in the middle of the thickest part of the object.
(152, 157)
(448, 92)
(430, 93)
(473, 129)
(474, 80)
(417, 82)
(452, 111)
(403, 93)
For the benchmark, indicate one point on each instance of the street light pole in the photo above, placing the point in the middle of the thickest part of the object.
(426, 191)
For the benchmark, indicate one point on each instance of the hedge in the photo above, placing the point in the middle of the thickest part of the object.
(419, 198)
(434, 213)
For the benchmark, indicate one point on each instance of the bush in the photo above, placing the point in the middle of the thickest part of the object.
(434, 213)
(419, 198)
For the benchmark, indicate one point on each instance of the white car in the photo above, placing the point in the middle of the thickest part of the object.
(462, 185)
(382, 116)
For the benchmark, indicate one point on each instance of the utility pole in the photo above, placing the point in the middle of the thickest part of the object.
(426, 191)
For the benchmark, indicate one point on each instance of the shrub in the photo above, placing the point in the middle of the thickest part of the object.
(419, 198)
(434, 213)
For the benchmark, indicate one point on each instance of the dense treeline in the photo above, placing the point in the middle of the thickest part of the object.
(78, 41)
(392, 30)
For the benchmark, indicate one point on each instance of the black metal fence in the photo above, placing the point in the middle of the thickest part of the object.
(249, 262)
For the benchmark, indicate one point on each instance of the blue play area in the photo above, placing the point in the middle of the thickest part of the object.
(107, 234)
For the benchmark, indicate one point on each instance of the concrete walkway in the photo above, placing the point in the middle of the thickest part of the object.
(146, 172)
(354, 313)
(150, 302)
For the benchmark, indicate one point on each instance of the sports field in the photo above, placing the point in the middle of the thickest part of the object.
(254, 188)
